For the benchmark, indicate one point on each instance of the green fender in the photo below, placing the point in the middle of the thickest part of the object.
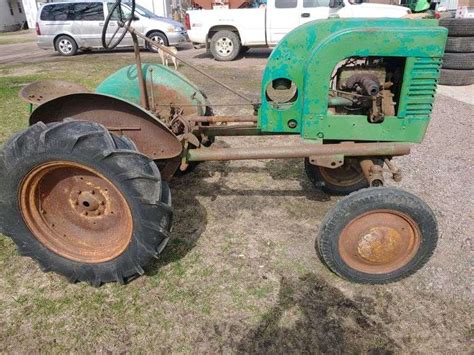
(165, 86)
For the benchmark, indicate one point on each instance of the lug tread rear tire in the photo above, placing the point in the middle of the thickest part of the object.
(134, 174)
(372, 199)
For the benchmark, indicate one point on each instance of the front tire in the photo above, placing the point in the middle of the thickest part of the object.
(225, 46)
(66, 46)
(157, 37)
(82, 203)
(377, 235)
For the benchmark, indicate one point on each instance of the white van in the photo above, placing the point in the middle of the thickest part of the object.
(70, 26)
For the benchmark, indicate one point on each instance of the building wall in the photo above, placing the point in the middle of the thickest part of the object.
(9, 21)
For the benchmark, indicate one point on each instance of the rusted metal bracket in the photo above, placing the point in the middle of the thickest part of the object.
(394, 170)
(328, 161)
(141, 79)
(372, 172)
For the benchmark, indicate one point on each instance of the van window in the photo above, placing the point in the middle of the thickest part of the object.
(315, 3)
(87, 11)
(55, 12)
(285, 4)
(81, 11)
(115, 16)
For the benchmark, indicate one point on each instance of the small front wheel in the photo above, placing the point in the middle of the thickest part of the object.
(377, 235)
(225, 45)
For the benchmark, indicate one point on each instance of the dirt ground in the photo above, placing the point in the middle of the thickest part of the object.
(240, 274)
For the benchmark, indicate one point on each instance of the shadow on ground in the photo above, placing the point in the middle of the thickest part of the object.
(310, 316)
(190, 217)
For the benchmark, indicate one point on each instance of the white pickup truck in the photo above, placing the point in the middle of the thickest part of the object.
(228, 32)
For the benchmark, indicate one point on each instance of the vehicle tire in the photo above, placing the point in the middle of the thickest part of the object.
(158, 37)
(463, 27)
(452, 77)
(460, 45)
(339, 181)
(65, 45)
(225, 45)
(461, 61)
(81, 202)
(377, 235)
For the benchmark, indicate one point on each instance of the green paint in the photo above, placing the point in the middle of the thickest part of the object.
(309, 54)
(418, 5)
(123, 84)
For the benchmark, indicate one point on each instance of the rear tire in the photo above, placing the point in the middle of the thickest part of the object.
(132, 215)
(66, 46)
(225, 45)
(377, 235)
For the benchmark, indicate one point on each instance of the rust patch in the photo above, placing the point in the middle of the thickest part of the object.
(42, 91)
(379, 241)
(76, 212)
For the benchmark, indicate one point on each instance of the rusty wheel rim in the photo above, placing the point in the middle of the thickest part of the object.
(348, 174)
(379, 241)
(76, 212)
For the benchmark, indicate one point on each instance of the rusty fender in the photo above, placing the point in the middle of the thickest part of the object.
(120, 117)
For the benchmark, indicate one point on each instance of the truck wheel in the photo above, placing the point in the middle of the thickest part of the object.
(460, 45)
(76, 201)
(451, 77)
(340, 181)
(65, 45)
(461, 61)
(377, 235)
(225, 45)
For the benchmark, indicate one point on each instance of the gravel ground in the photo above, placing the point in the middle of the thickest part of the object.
(241, 274)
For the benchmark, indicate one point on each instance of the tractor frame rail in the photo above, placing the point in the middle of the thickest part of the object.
(300, 150)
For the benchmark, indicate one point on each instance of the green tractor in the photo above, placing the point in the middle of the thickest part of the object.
(84, 189)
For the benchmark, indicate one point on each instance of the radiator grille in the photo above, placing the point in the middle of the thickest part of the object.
(420, 94)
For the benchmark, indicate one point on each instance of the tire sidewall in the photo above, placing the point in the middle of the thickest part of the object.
(235, 43)
(352, 208)
(16, 225)
(159, 34)
(70, 39)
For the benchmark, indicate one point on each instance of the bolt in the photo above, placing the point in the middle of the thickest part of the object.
(320, 135)
(292, 124)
